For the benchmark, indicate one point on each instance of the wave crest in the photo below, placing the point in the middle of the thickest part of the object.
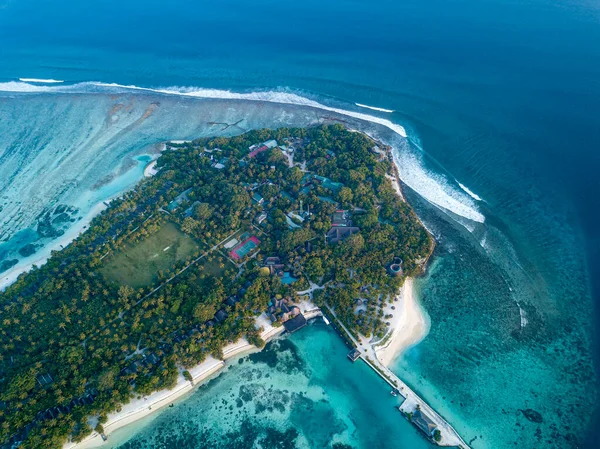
(431, 186)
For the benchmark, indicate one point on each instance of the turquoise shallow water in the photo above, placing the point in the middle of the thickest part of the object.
(500, 96)
(299, 392)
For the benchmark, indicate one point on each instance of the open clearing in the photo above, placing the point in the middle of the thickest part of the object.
(138, 265)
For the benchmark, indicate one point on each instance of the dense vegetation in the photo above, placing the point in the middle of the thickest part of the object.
(78, 339)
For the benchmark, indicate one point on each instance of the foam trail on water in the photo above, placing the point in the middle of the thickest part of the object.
(38, 80)
(374, 108)
(471, 193)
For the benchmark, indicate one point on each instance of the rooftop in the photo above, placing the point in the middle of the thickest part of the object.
(354, 355)
(337, 234)
(423, 422)
(293, 324)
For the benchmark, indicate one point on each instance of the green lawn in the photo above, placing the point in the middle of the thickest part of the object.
(138, 265)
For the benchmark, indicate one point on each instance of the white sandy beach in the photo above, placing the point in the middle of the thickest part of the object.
(150, 169)
(408, 326)
(144, 406)
(43, 255)
(409, 323)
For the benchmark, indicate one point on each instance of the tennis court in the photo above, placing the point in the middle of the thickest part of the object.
(244, 248)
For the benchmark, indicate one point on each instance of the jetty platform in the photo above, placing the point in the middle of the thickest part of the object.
(412, 404)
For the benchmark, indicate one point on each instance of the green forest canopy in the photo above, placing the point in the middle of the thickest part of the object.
(78, 338)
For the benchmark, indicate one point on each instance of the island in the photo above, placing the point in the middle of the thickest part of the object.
(225, 244)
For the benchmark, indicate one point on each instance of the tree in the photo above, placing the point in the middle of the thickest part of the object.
(204, 312)
(20, 386)
(189, 225)
(202, 211)
(345, 196)
(106, 380)
(314, 268)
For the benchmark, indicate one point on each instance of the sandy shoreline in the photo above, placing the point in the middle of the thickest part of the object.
(43, 255)
(150, 169)
(201, 373)
(408, 326)
(409, 323)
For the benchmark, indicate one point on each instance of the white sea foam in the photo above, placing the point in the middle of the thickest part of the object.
(16, 86)
(38, 80)
(374, 108)
(471, 194)
(268, 96)
(433, 187)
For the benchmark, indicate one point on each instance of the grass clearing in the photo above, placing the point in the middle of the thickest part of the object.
(138, 265)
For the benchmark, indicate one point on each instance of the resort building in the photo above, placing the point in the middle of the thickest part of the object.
(341, 227)
(395, 268)
(338, 234)
(354, 355)
(220, 316)
(341, 218)
(261, 217)
(258, 198)
(44, 379)
(295, 323)
(274, 264)
(424, 422)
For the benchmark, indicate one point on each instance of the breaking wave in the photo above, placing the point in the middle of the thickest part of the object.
(471, 194)
(38, 80)
(374, 108)
(432, 186)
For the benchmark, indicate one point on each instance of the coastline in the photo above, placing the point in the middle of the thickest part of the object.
(41, 257)
(150, 169)
(408, 326)
(409, 323)
(142, 407)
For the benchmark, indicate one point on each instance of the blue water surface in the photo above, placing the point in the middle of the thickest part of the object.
(502, 96)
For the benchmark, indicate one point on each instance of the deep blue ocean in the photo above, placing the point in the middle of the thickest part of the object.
(501, 97)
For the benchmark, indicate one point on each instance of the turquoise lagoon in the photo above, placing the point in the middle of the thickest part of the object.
(301, 391)
(501, 103)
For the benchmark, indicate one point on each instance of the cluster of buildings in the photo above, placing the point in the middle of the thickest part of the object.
(341, 227)
(261, 147)
(51, 413)
(283, 311)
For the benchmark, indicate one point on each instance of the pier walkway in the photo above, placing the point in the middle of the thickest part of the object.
(412, 401)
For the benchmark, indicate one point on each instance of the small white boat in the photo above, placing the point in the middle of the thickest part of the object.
(325, 320)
